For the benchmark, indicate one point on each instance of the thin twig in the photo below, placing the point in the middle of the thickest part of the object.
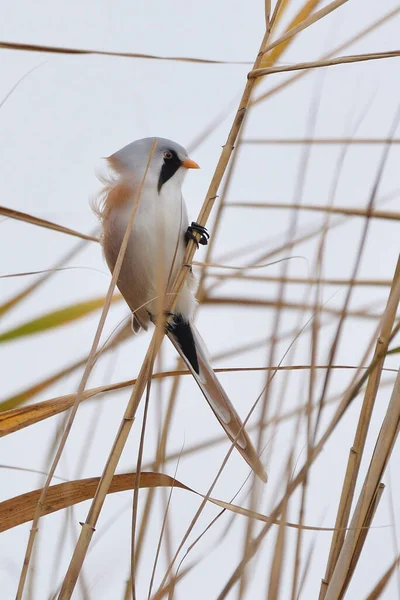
(316, 64)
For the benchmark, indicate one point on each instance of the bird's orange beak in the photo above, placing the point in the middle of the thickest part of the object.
(189, 164)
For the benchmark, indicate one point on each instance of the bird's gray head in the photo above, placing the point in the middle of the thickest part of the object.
(168, 163)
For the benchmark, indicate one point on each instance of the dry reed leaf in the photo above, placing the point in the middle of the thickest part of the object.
(364, 32)
(14, 419)
(51, 270)
(243, 250)
(17, 84)
(304, 19)
(317, 64)
(340, 210)
(345, 401)
(304, 280)
(256, 302)
(252, 514)
(20, 296)
(315, 141)
(269, 58)
(77, 51)
(26, 218)
(305, 235)
(20, 509)
(169, 588)
(16, 400)
(384, 580)
(306, 569)
(273, 55)
(19, 418)
(56, 318)
(353, 39)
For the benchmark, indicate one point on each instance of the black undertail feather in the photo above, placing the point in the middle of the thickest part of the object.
(180, 328)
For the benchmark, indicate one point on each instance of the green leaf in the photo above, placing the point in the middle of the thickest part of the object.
(56, 318)
(393, 350)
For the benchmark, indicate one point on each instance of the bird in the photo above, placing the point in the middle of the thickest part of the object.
(154, 255)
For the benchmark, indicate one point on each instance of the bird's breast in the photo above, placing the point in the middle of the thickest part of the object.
(156, 243)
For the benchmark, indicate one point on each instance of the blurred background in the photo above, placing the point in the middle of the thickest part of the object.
(314, 154)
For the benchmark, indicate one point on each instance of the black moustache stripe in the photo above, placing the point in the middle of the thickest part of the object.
(169, 168)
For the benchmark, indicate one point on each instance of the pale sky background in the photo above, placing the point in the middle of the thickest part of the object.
(54, 129)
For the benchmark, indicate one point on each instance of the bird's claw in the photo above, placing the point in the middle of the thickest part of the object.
(204, 235)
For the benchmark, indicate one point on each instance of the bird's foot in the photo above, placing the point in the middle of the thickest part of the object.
(204, 235)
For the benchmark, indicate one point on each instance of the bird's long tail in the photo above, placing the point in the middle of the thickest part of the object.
(190, 346)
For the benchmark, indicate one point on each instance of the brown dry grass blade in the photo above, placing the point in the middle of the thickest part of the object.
(22, 295)
(14, 419)
(382, 583)
(16, 400)
(339, 210)
(26, 218)
(303, 20)
(306, 281)
(346, 400)
(317, 64)
(270, 58)
(329, 141)
(64, 50)
(21, 509)
(253, 302)
(273, 54)
(19, 418)
(352, 40)
(169, 588)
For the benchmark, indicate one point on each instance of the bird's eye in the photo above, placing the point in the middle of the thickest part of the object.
(167, 155)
